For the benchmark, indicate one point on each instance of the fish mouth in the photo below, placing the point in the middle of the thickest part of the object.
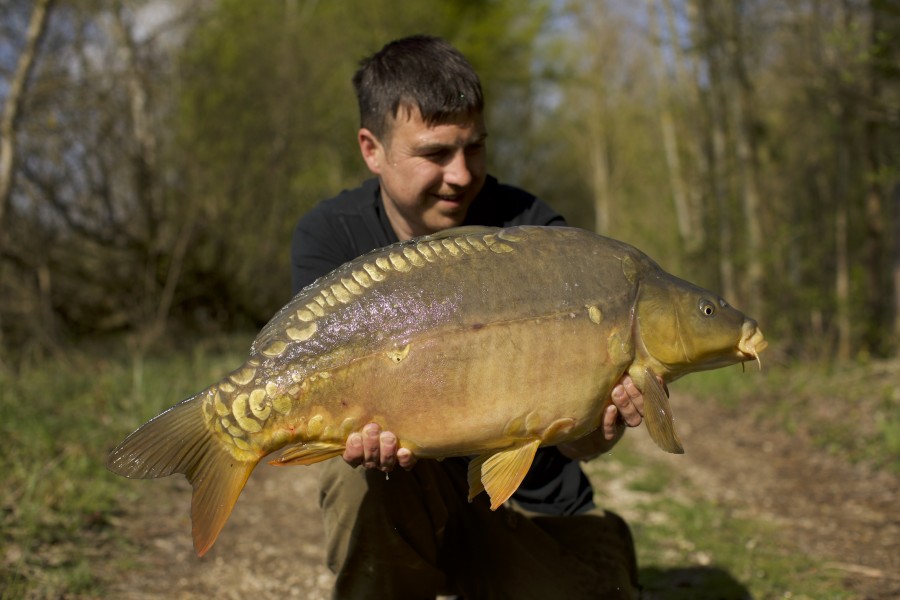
(752, 341)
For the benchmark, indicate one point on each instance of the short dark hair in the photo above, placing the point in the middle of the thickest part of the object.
(421, 72)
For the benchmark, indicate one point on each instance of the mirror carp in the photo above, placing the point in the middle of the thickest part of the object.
(474, 341)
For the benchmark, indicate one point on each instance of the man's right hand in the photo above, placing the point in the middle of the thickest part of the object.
(376, 449)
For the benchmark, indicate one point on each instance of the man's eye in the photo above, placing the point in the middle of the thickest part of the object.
(438, 156)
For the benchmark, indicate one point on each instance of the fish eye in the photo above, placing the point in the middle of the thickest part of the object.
(707, 308)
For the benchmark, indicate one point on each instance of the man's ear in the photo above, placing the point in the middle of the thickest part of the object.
(372, 150)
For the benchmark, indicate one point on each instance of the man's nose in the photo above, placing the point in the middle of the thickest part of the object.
(457, 171)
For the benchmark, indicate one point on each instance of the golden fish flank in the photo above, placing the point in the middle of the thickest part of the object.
(414, 257)
(475, 243)
(316, 308)
(301, 335)
(328, 297)
(426, 251)
(275, 348)
(244, 418)
(399, 354)
(244, 375)
(360, 280)
(352, 287)
(618, 310)
(398, 262)
(495, 246)
(373, 272)
(452, 248)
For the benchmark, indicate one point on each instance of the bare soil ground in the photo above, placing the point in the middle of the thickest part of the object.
(846, 515)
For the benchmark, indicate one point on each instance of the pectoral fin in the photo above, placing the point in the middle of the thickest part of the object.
(658, 415)
(308, 453)
(501, 473)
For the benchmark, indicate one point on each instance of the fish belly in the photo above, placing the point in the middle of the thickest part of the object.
(472, 389)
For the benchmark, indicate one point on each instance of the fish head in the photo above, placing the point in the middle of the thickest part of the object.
(685, 328)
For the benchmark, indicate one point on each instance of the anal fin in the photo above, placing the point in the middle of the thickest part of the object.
(308, 453)
(500, 473)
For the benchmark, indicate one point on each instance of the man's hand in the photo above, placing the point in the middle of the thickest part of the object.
(376, 449)
(627, 409)
(627, 402)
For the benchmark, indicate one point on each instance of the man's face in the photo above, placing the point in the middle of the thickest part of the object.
(429, 174)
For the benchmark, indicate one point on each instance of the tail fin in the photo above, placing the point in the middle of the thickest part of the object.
(179, 441)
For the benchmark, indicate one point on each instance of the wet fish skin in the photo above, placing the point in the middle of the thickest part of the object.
(470, 342)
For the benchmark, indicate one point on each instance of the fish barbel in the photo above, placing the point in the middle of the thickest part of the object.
(476, 341)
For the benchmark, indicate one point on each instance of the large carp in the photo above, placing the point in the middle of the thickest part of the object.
(475, 341)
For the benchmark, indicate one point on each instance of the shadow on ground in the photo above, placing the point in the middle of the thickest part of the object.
(691, 583)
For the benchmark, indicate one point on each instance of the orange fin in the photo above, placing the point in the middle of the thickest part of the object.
(658, 415)
(501, 472)
(308, 453)
(179, 441)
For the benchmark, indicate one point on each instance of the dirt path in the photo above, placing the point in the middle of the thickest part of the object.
(846, 515)
(271, 546)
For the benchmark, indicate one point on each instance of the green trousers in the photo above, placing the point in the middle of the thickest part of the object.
(414, 535)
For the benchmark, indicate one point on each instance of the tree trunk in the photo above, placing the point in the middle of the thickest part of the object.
(14, 99)
(748, 161)
(158, 298)
(878, 291)
(687, 84)
(895, 260)
(841, 218)
(669, 137)
(12, 107)
(719, 164)
(600, 175)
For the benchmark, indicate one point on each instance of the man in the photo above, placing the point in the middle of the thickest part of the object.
(412, 534)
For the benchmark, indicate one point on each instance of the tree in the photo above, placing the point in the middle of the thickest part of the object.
(15, 95)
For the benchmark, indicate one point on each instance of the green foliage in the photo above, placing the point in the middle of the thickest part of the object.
(253, 121)
(267, 119)
(58, 420)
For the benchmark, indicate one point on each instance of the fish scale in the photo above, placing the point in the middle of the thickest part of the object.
(476, 341)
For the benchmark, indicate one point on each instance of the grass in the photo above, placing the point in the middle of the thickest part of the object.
(58, 420)
(852, 410)
(689, 547)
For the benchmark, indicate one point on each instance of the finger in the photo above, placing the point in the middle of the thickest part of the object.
(626, 407)
(405, 458)
(610, 422)
(387, 451)
(371, 440)
(634, 394)
(353, 451)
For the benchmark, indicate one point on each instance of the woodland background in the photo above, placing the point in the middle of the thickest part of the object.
(155, 155)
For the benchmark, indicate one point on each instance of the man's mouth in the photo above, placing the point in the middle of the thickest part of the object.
(452, 198)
